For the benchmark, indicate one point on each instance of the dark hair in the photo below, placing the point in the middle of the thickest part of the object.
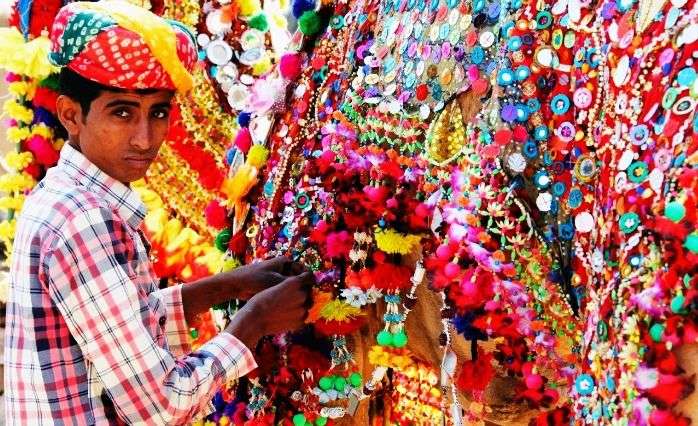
(84, 91)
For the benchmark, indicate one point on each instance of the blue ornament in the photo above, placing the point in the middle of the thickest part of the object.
(244, 119)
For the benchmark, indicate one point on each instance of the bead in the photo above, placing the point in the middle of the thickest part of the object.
(384, 338)
(355, 379)
(326, 383)
(400, 339)
(340, 384)
(657, 332)
(299, 419)
(674, 211)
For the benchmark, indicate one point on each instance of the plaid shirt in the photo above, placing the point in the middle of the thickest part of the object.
(90, 339)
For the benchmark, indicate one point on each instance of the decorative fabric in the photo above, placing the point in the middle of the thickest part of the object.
(122, 45)
(90, 339)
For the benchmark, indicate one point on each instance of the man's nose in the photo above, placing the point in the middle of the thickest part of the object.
(141, 138)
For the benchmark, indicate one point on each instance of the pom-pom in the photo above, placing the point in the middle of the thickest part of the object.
(249, 7)
(257, 156)
(290, 66)
(244, 118)
(309, 23)
(238, 244)
(216, 215)
(299, 7)
(261, 66)
(43, 151)
(243, 140)
(259, 21)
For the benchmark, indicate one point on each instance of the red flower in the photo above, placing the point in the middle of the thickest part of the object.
(45, 98)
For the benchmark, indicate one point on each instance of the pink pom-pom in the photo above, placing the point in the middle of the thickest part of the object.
(216, 216)
(451, 270)
(43, 151)
(290, 66)
(444, 252)
(534, 381)
(243, 140)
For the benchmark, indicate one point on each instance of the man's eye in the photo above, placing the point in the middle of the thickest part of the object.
(121, 113)
(161, 114)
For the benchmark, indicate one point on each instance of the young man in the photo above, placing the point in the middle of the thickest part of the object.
(90, 339)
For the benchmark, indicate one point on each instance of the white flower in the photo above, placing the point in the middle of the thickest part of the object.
(373, 295)
(354, 296)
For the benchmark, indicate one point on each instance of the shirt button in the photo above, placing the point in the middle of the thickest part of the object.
(162, 321)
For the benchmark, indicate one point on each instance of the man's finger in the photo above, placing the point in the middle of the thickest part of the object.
(278, 264)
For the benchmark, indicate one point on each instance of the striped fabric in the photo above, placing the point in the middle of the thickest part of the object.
(90, 339)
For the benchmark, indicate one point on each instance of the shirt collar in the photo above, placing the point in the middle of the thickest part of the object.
(119, 196)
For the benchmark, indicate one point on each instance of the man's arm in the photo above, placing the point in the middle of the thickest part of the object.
(86, 266)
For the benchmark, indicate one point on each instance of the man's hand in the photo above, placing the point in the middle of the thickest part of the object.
(241, 283)
(272, 311)
(253, 278)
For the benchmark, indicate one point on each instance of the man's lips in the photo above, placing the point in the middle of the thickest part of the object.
(140, 161)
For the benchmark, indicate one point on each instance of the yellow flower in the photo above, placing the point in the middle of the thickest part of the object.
(43, 131)
(25, 58)
(16, 182)
(391, 241)
(18, 134)
(7, 229)
(12, 203)
(22, 88)
(18, 111)
(337, 310)
(18, 160)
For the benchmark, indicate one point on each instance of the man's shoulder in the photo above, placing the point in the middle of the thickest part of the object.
(57, 200)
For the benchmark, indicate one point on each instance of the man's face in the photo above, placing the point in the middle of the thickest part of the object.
(122, 132)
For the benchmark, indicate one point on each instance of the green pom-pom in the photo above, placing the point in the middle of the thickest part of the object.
(400, 339)
(355, 379)
(194, 333)
(656, 332)
(321, 421)
(677, 304)
(299, 419)
(691, 242)
(223, 239)
(259, 22)
(309, 23)
(384, 338)
(326, 383)
(340, 383)
(674, 211)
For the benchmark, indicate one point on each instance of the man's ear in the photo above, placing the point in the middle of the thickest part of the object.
(69, 114)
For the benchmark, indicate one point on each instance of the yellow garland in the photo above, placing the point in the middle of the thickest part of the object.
(12, 203)
(393, 242)
(18, 134)
(19, 182)
(18, 161)
(17, 111)
(20, 89)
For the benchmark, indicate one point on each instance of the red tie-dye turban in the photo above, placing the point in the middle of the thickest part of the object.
(121, 45)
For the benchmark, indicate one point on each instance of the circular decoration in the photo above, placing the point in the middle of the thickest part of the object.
(252, 39)
(560, 104)
(566, 231)
(558, 189)
(686, 76)
(219, 52)
(629, 222)
(638, 172)
(584, 384)
(566, 131)
(530, 149)
(574, 200)
(639, 134)
(541, 179)
(546, 57)
(505, 77)
(585, 168)
(541, 133)
(684, 106)
(544, 19)
(584, 222)
(522, 73)
(544, 201)
(516, 163)
(582, 98)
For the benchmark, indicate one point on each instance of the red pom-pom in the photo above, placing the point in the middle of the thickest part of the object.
(46, 99)
(476, 375)
(216, 215)
(668, 418)
(290, 66)
(331, 328)
(34, 170)
(243, 140)
(238, 244)
(43, 151)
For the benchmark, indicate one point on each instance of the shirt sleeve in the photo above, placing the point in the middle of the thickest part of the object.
(176, 327)
(86, 269)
